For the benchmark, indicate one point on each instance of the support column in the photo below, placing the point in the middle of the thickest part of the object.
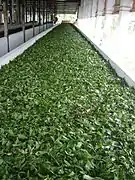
(39, 15)
(109, 18)
(12, 11)
(94, 7)
(126, 30)
(0, 11)
(25, 11)
(23, 19)
(30, 14)
(43, 14)
(17, 11)
(97, 4)
(109, 6)
(99, 22)
(125, 7)
(83, 9)
(33, 25)
(109, 26)
(5, 8)
(99, 14)
(122, 31)
(80, 12)
(91, 8)
(100, 9)
(86, 8)
(124, 16)
(46, 17)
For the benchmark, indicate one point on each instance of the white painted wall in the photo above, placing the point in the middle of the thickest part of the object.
(20, 49)
(3, 46)
(114, 34)
(28, 34)
(16, 39)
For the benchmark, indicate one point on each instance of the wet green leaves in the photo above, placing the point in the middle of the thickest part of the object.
(64, 114)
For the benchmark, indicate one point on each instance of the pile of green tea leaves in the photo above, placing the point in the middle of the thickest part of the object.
(64, 114)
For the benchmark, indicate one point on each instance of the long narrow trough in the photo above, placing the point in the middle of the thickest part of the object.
(64, 114)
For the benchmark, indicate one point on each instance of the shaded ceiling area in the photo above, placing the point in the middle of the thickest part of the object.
(58, 6)
(63, 6)
(67, 6)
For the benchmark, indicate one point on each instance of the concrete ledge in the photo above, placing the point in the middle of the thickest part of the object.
(119, 70)
(20, 49)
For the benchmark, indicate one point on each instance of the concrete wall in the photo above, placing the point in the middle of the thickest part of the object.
(113, 33)
(16, 39)
(20, 49)
(3, 46)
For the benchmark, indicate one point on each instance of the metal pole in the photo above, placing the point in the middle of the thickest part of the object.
(12, 11)
(46, 15)
(23, 20)
(43, 14)
(46, 20)
(30, 14)
(26, 11)
(33, 18)
(39, 15)
(17, 12)
(0, 11)
(5, 10)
